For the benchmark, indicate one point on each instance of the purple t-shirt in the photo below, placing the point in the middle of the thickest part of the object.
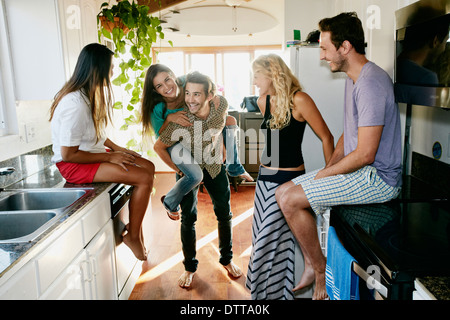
(371, 102)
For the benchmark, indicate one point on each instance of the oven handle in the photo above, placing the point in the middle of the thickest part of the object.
(365, 276)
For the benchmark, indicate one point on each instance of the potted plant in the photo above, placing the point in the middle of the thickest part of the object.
(133, 32)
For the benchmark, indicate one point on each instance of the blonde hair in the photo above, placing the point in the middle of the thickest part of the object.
(285, 84)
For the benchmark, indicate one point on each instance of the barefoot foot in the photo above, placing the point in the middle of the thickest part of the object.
(306, 280)
(185, 279)
(233, 270)
(136, 247)
(320, 291)
(126, 230)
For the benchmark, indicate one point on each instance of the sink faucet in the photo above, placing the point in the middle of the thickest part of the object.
(6, 170)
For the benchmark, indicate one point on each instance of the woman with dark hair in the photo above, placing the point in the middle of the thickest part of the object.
(162, 103)
(79, 115)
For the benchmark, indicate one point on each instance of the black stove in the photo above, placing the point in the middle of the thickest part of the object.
(405, 238)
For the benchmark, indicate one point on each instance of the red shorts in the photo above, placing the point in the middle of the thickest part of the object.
(78, 173)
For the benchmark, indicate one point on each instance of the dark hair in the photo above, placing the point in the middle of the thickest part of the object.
(345, 26)
(92, 72)
(200, 78)
(151, 97)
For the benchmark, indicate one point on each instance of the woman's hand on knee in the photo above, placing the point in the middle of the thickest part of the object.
(122, 158)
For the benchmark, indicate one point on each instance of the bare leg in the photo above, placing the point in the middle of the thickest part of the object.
(295, 207)
(308, 274)
(141, 177)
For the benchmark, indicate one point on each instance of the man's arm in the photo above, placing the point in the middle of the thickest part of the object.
(338, 152)
(364, 154)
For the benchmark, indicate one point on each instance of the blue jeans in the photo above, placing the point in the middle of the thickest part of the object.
(233, 164)
(219, 191)
(193, 175)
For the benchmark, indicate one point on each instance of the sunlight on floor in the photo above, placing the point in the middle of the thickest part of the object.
(246, 252)
(177, 258)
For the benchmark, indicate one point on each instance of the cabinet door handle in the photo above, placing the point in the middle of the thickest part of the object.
(88, 269)
(94, 267)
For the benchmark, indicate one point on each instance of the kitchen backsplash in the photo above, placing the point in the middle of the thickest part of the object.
(26, 165)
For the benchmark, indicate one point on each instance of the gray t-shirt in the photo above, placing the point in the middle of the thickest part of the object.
(371, 102)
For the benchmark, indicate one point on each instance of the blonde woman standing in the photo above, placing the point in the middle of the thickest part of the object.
(286, 111)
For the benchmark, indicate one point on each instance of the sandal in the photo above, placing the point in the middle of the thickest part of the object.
(173, 215)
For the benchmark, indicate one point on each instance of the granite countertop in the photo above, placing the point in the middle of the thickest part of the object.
(49, 177)
(439, 287)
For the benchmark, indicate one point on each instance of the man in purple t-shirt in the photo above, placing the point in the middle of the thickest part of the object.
(366, 164)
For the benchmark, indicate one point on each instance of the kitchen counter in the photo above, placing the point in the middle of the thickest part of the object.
(439, 287)
(49, 177)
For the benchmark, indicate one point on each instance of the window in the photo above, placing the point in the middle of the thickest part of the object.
(228, 67)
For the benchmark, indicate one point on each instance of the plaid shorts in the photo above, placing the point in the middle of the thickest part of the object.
(363, 186)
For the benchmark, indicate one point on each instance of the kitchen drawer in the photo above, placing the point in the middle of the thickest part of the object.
(96, 217)
(57, 256)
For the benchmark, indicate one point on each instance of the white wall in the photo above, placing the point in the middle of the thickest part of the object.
(75, 21)
(378, 16)
(35, 115)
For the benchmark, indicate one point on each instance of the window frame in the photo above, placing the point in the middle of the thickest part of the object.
(216, 51)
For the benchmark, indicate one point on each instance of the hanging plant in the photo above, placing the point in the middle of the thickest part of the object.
(133, 32)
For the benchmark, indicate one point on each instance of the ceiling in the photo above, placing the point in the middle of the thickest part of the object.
(217, 23)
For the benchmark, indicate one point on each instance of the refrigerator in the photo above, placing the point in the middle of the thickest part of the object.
(327, 91)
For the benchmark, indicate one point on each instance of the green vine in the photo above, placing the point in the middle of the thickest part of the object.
(133, 31)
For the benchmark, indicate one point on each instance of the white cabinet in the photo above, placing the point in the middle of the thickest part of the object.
(100, 252)
(46, 37)
(91, 275)
(95, 218)
(22, 285)
(55, 259)
(73, 283)
(78, 21)
(76, 261)
(36, 51)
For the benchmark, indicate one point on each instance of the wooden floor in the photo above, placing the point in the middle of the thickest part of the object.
(161, 271)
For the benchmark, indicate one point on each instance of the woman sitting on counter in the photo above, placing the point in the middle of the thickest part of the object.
(82, 152)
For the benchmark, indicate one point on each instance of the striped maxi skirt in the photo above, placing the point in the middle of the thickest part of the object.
(270, 274)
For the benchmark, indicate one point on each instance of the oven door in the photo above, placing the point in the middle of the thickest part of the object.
(382, 276)
(373, 282)
(125, 259)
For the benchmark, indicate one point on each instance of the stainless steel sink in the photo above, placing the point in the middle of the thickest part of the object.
(24, 226)
(41, 199)
(27, 213)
